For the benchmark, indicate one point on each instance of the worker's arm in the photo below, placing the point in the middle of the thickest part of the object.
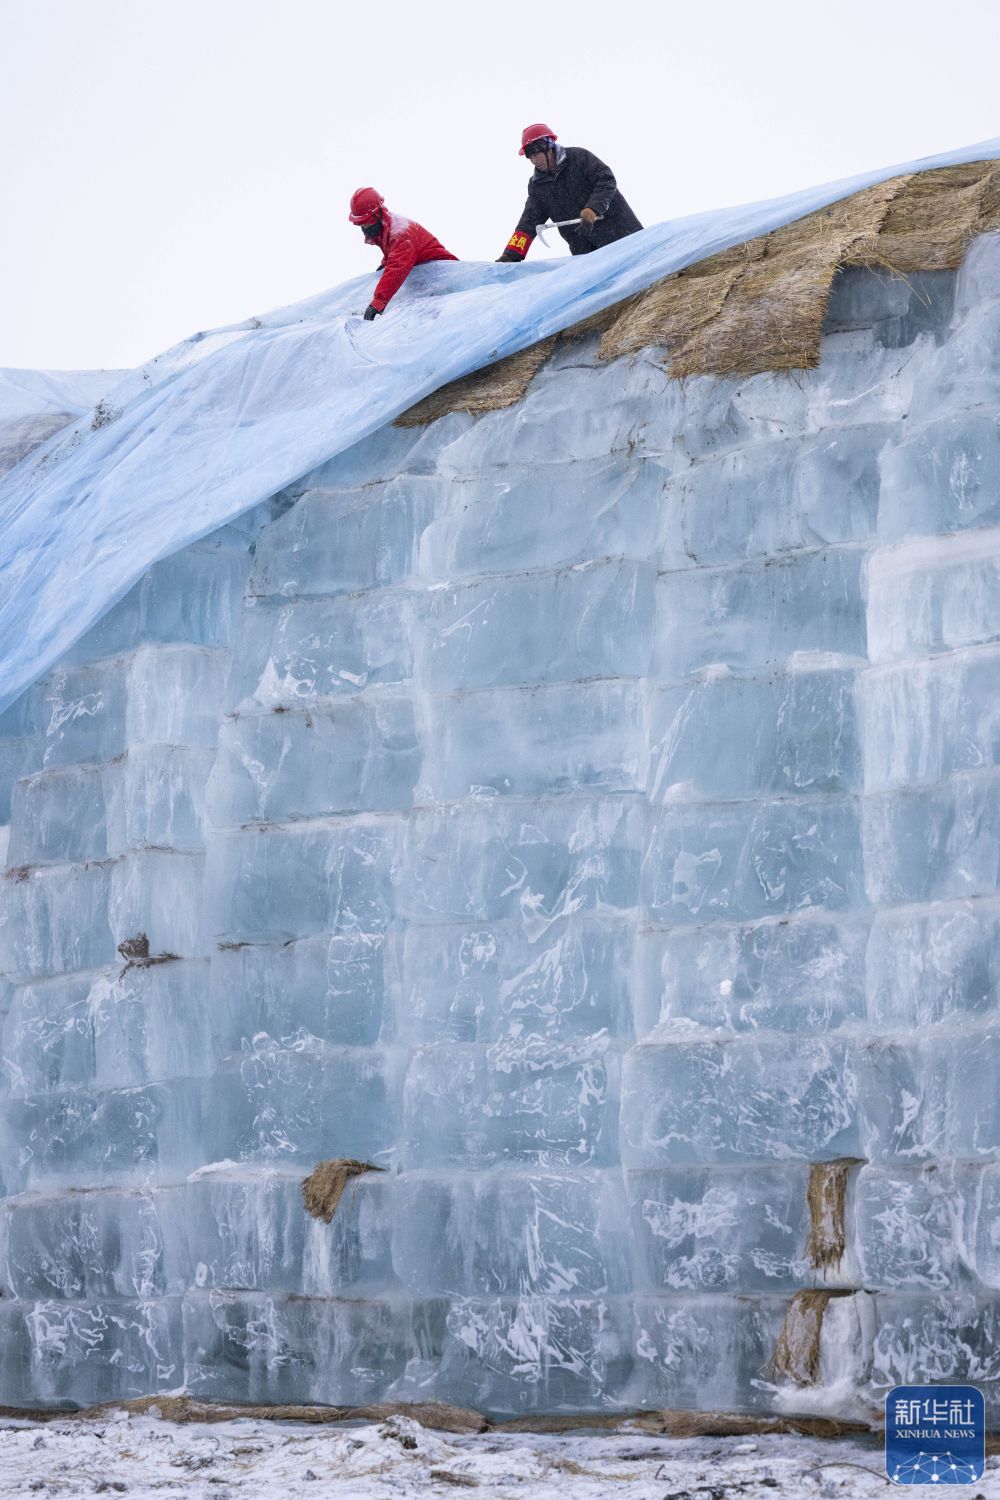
(519, 243)
(400, 258)
(603, 186)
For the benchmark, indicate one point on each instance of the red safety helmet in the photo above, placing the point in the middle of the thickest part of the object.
(535, 133)
(366, 205)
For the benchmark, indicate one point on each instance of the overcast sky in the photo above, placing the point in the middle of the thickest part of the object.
(170, 165)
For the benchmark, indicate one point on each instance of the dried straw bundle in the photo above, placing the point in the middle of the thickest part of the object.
(826, 1196)
(796, 1353)
(323, 1189)
(499, 385)
(435, 1414)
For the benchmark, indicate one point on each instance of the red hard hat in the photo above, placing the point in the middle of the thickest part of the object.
(534, 133)
(365, 206)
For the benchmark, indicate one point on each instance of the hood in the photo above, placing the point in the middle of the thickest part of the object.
(381, 242)
(537, 176)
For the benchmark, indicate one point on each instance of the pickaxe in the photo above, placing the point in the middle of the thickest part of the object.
(558, 224)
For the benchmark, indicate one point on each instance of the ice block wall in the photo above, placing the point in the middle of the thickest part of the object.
(587, 813)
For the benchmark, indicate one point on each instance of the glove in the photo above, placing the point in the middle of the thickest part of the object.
(588, 216)
(507, 256)
(371, 312)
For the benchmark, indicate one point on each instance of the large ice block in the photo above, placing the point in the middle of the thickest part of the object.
(745, 737)
(583, 412)
(356, 757)
(942, 477)
(774, 497)
(18, 757)
(516, 518)
(933, 594)
(240, 1229)
(255, 1346)
(540, 860)
(138, 1023)
(340, 542)
(541, 1232)
(965, 369)
(936, 963)
(752, 859)
(102, 1136)
(157, 695)
(86, 1246)
(531, 1099)
(804, 973)
(152, 796)
(526, 742)
(944, 1340)
(482, 983)
(83, 1353)
(156, 893)
(923, 720)
(55, 920)
(317, 648)
(513, 1355)
(273, 883)
(720, 1229)
(932, 1097)
(301, 1104)
(934, 843)
(704, 1351)
(917, 1227)
(591, 620)
(60, 919)
(744, 1099)
(331, 988)
(758, 615)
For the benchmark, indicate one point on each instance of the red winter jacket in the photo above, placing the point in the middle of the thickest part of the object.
(404, 244)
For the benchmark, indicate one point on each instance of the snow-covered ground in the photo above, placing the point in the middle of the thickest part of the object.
(142, 1456)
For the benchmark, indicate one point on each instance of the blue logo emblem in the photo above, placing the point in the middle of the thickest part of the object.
(935, 1434)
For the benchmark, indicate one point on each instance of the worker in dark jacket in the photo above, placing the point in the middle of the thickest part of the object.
(403, 243)
(569, 183)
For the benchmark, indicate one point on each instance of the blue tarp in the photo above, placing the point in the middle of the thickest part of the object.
(206, 431)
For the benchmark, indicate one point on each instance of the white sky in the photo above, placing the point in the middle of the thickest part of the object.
(170, 165)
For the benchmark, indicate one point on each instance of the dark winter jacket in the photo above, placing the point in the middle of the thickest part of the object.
(580, 180)
(404, 244)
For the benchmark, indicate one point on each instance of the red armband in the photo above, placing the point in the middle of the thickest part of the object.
(519, 243)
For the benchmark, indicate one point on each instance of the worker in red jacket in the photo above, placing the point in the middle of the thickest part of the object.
(403, 243)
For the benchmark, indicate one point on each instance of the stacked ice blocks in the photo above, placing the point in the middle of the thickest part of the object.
(587, 814)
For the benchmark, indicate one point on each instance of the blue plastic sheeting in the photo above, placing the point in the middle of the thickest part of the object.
(189, 441)
(43, 393)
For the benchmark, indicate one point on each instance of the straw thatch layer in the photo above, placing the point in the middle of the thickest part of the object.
(683, 1424)
(677, 308)
(826, 1196)
(933, 217)
(441, 1417)
(773, 314)
(797, 1351)
(499, 385)
(760, 306)
(438, 1415)
(323, 1189)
